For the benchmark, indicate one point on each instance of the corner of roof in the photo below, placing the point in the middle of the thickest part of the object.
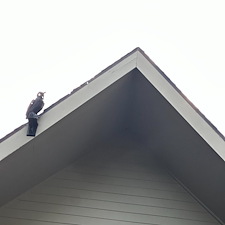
(74, 91)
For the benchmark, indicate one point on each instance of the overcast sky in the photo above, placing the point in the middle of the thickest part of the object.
(55, 46)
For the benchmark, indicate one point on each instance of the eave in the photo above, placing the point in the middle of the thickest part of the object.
(132, 97)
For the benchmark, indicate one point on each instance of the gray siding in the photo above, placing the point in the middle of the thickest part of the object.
(111, 186)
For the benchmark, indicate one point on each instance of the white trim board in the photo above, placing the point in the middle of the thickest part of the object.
(71, 103)
(181, 105)
(135, 59)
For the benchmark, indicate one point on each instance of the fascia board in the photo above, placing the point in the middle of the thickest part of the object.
(154, 76)
(75, 100)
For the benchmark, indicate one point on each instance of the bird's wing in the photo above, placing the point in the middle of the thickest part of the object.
(29, 108)
(35, 106)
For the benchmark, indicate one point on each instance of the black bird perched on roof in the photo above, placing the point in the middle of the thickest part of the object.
(31, 114)
(36, 105)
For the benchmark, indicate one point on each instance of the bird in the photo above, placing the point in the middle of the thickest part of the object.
(31, 114)
(36, 105)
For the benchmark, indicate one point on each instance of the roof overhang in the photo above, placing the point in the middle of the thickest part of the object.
(132, 97)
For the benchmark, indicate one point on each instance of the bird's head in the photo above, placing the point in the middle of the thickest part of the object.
(41, 94)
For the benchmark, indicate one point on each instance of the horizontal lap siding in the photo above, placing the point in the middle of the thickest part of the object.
(119, 186)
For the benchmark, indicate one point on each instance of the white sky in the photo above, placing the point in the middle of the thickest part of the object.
(55, 46)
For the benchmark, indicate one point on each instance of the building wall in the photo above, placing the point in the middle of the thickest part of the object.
(117, 185)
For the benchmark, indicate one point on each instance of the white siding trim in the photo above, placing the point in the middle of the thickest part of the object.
(71, 103)
(181, 105)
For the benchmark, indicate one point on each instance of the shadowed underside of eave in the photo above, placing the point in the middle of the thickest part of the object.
(130, 107)
(165, 132)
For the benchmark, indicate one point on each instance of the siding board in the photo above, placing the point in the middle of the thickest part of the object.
(121, 190)
(79, 206)
(111, 197)
(19, 221)
(146, 184)
(94, 217)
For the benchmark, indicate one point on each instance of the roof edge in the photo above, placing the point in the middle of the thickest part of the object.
(182, 94)
(73, 91)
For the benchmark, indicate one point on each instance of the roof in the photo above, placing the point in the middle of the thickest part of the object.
(72, 92)
(108, 68)
(131, 97)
